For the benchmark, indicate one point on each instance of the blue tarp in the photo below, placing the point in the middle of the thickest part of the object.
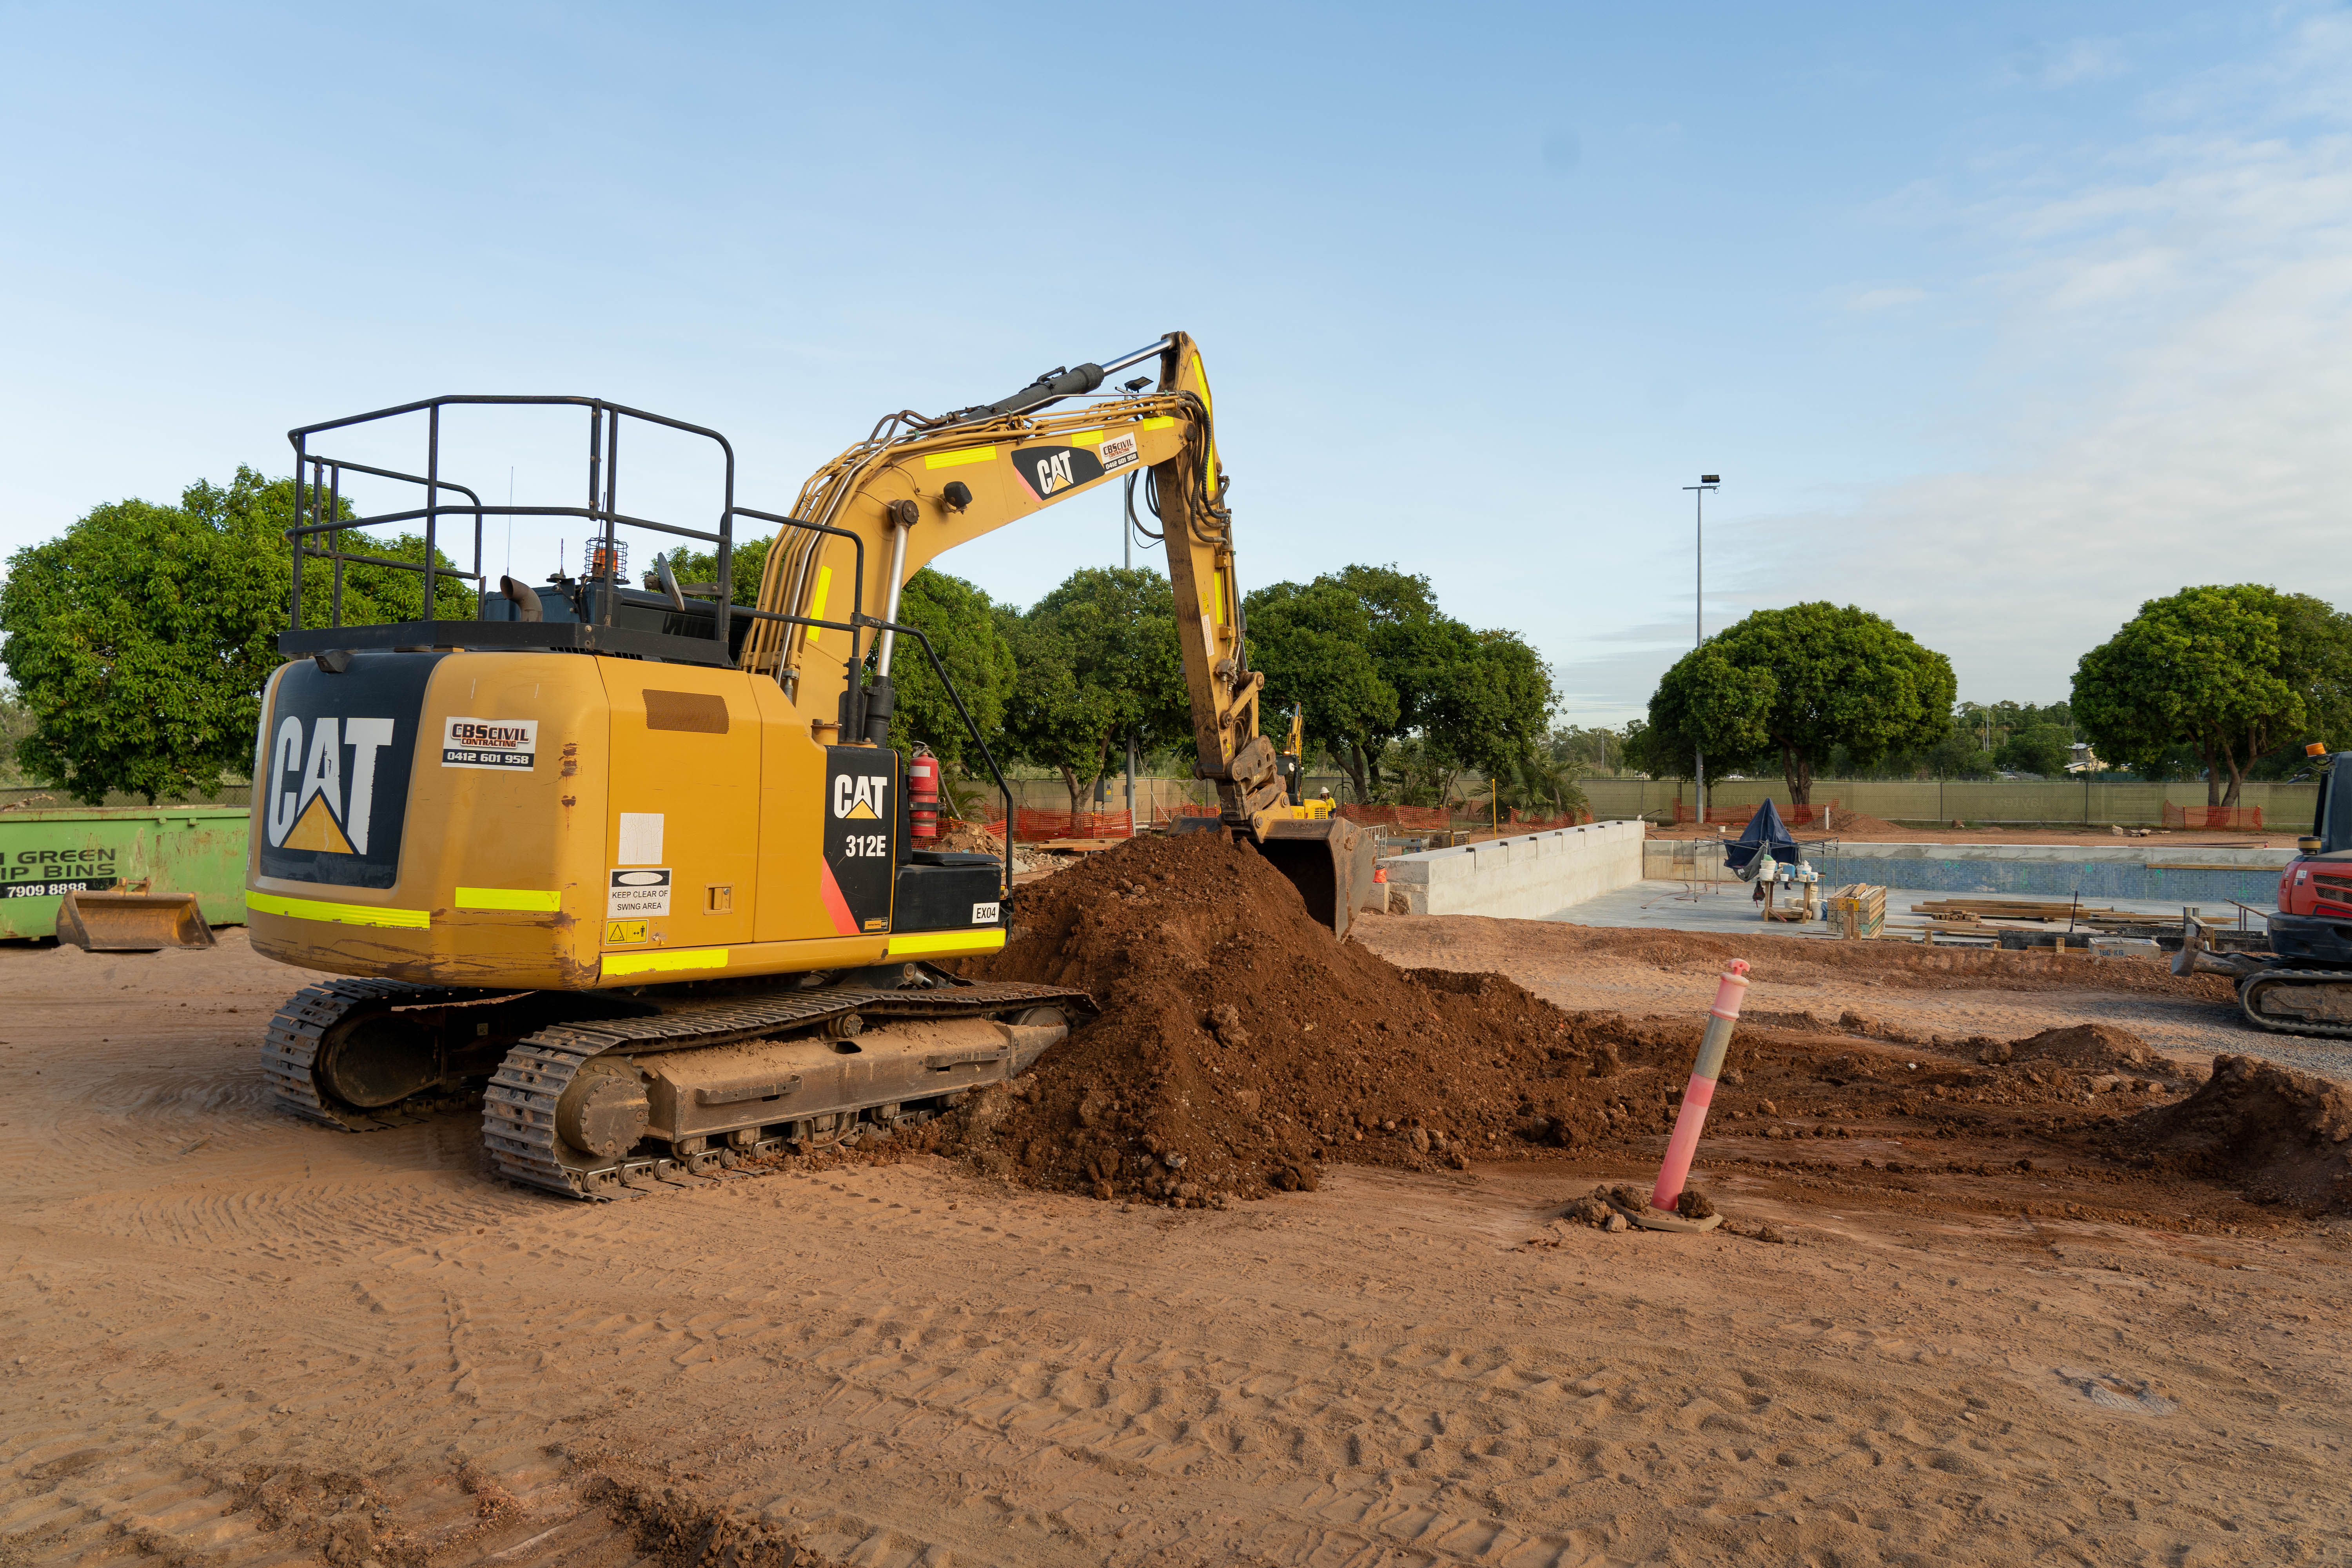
(1763, 833)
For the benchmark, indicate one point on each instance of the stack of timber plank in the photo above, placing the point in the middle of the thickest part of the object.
(1970, 910)
(1860, 911)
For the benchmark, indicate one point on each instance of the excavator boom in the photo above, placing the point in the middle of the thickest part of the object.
(918, 488)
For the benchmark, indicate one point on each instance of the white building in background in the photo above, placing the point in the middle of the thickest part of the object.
(2084, 762)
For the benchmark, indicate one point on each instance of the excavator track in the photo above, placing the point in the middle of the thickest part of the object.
(289, 1050)
(519, 1108)
(2251, 989)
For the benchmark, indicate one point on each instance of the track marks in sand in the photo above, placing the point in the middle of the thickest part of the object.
(1436, 1444)
(924, 1365)
(307, 1223)
(252, 1503)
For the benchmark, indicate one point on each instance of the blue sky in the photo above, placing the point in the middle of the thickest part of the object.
(1996, 319)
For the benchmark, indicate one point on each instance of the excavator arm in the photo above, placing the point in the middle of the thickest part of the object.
(915, 488)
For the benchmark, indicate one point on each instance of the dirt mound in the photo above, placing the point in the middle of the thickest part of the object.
(1241, 1050)
(1240, 1045)
(2083, 1045)
(2282, 1136)
(970, 839)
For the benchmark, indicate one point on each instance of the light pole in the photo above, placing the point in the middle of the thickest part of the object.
(1698, 610)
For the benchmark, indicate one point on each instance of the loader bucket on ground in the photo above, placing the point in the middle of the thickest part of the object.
(132, 922)
(1328, 861)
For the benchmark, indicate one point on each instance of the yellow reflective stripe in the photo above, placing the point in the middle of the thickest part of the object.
(1158, 422)
(957, 459)
(1209, 404)
(341, 914)
(1088, 438)
(527, 898)
(664, 962)
(816, 600)
(946, 942)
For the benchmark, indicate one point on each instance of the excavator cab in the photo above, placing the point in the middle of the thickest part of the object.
(2304, 984)
(2313, 923)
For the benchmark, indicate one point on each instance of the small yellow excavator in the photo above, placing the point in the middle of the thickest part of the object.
(1292, 761)
(639, 864)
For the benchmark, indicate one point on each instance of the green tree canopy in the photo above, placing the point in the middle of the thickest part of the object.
(973, 644)
(139, 639)
(2232, 672)
(1490, 707)
(1374, 660)
(1098, 661)
(1959, 756)
(1796, 684)
(1314, 643)
(702, 566)
(1412, 647)
(2044, 749)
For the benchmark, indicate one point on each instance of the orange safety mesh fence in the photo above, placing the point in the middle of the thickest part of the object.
(1421, 816)
(1033, 827)
(1436, 818)
(2212, 816)
(1738, 815)
(1576, 818)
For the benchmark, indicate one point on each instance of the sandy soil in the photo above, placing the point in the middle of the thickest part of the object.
(230, 1338)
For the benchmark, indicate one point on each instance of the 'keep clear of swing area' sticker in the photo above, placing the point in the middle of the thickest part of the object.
(489, 743)
(638, 893)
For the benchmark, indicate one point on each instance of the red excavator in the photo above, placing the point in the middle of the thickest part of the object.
(2304, 984)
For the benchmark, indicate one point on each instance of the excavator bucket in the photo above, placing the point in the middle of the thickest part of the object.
(1330, 862)
(132, 922)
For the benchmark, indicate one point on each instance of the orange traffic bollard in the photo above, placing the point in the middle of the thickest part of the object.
(1731, 986)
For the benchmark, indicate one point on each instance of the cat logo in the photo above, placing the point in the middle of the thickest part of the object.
(1047, 472)
(860, 798)
(310, 806)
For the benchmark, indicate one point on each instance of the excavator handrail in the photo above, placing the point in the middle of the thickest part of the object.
(603, 465)
(856, 590)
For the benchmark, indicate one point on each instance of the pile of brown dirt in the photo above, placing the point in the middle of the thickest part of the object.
(2083, 1045)
(1239, 1044)
(2283, 1137)
(970, 839)
(1241, 1048)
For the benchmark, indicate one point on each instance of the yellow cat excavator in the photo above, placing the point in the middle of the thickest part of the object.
(639, 863)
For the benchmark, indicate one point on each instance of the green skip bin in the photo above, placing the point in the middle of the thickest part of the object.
(141, 877)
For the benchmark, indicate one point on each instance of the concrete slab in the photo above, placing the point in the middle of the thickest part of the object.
(2142, 869)
(1726, 909)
